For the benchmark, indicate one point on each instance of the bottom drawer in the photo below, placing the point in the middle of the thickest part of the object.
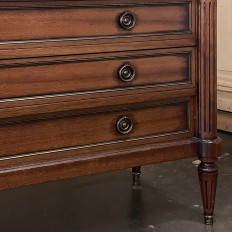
(94, 129)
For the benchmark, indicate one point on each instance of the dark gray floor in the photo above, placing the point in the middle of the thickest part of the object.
(168, 202)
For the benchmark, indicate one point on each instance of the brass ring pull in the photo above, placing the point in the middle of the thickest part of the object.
(126, 73)
(124, 125)
(127, 20)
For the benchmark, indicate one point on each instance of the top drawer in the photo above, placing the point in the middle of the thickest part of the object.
(36, 22)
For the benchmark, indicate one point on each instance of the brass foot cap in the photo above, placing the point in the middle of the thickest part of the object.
(136, 181)
(208, 220)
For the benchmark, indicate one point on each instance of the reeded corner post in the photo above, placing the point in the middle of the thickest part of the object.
(210, 145)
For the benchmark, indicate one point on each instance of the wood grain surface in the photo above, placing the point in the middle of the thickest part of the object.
(20, 172)
(40, 23)
(42, 135)
(61, 95)
(91, 74)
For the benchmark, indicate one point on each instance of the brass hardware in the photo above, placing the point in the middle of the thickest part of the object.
(136, 178)
(209, 220)
(124, 125)
(126, 73)
(127, 20)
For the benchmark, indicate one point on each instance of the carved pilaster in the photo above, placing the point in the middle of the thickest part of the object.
(207, 49)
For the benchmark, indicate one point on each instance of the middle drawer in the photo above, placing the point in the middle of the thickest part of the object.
(144, 69)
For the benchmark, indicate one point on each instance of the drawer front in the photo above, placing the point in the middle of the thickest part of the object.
(150, 69)
(75, 22)
(94, 129)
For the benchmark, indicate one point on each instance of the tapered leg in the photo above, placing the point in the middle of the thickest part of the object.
(136, 172)
(208, 173)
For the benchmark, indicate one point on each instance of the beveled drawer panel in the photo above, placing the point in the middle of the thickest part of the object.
(93, 129)
(75, 22)
(149, 69)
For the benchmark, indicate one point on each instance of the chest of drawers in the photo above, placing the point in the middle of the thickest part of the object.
(95, 86)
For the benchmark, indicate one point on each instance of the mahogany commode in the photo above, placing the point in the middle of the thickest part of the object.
(95, 86)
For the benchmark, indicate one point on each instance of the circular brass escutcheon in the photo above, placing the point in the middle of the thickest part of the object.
(126, 73)
(127, 20)
(124, 125)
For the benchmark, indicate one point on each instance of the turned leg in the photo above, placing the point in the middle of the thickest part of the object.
(136, 171)
(208, 173)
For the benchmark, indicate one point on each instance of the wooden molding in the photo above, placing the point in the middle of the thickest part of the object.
(224, 100)
(224, 80)
(209, 150)
(225, 121)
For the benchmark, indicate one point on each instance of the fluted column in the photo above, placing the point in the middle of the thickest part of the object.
(210, 145)
(207, 54)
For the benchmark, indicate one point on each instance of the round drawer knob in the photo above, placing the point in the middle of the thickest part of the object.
(127, 20)
(126, 73)
(124, 125)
